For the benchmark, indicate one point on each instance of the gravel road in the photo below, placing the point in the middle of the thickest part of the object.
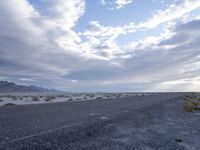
(67, 125)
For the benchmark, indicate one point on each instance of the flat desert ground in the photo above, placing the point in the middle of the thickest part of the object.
(100, 121)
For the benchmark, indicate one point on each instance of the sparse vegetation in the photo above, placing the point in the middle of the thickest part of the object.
(99, 98)
(49, 98)
(107, 96)
(9, 104)
(91, 96)
(191, 103)
(14, 98)
(35, 98)
(61, 95)
(189, 107)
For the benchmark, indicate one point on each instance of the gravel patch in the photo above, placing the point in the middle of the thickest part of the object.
(163, 126)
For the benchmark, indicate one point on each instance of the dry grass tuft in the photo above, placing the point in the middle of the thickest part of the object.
(191, 103)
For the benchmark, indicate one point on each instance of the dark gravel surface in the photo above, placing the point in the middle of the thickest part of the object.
(118, 124)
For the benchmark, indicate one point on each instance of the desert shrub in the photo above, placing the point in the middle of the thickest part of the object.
(190, 106)
(99, 98)
(70, 99)
(118, 96)
(193, 95)
(197, 108)
(91, 96)
(20, 98)
(1, 100)
(191, 103)
(14, 98)
(49, 98)
(61, 95)
(35, 98)
(9, 104)
(107, 95)
(187, 96)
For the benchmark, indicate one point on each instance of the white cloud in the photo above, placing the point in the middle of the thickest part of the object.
(101, 40)
(102, 35)
(155, 68)
(96, 29)
(151, 42)
(174, 11)
(74, 81)
(177, 12)
(41, 45)
(122, 3)
(36, 37)
(179, 85)
(115, 4)
(177, 67)
(63, 13)
(62, 16)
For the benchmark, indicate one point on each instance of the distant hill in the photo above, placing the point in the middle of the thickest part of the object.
(11, 87)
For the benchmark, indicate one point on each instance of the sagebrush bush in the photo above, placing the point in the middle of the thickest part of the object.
(49, 98)
(191, 103)
(35, 98)
(99, 98)
(70, 99)
(14, 98)
(190, 106)
(9, 104)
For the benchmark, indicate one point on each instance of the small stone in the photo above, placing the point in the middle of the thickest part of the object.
(178, 140)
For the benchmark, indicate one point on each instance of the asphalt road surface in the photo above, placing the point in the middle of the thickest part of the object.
(58, 125)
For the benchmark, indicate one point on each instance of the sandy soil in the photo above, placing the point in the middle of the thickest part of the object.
(28, 98)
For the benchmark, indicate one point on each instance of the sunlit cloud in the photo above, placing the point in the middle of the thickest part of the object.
(115, 4)
(63, 44)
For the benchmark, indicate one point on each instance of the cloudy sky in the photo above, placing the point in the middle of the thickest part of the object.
(101, 45)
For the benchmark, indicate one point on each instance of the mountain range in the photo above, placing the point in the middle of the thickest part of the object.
(11, 87)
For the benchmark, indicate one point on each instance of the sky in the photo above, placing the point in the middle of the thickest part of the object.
(101, 45)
